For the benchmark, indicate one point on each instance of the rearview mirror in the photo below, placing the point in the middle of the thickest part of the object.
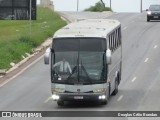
(108, 56)
(46, 56)
(146, 9)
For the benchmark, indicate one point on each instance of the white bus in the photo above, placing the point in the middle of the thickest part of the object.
(81, 64)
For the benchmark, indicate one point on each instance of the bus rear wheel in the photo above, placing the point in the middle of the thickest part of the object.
(116, 87)
(104, 102)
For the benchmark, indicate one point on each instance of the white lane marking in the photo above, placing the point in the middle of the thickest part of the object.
(155, 46)
(124, 28)
(146, 60)
(134, 79)
(21, 71)
(120, 98)
(47, 99)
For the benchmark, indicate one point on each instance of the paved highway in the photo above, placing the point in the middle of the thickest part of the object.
(139, 89)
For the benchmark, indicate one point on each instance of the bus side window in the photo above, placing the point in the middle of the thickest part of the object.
(110, 42)
(115, 41)
(117, 38)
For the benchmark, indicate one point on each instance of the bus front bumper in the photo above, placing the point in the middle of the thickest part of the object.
(80, 97)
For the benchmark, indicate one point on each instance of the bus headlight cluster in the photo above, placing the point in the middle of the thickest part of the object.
(55, 97)
(58, 90)
(100, 90)
(102, 97)
(149, 12)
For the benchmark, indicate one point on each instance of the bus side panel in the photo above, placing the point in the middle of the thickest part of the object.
(114, 68)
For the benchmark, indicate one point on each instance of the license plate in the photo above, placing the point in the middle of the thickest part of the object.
(78, 97)
(155, 16)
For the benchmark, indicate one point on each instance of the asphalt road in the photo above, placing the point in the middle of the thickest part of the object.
(139, 88)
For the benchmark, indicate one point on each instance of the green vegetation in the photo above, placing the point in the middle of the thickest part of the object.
(15, 38)
(98, 7)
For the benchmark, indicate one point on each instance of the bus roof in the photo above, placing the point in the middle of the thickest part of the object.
(88, 28)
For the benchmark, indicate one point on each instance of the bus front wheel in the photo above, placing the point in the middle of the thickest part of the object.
(116, 87)
(104, 102)
(60, 103)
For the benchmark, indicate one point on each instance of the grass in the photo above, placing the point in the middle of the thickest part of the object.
(15, 38)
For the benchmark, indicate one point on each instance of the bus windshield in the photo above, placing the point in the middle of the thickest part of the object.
(78, 61)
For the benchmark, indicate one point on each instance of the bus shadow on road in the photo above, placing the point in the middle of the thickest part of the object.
(82, 104)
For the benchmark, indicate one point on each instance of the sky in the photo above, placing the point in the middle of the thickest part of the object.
(117, 5)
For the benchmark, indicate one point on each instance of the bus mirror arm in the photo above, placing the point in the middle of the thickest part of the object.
(52, 50)
(108, 56)
(47, 55)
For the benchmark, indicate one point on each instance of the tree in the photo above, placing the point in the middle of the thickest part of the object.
(98, 7)
(103, 3)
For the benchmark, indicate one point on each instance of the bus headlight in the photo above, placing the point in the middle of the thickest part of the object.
(55, 97)
(100, 90)
(102, 97)
(149, 12)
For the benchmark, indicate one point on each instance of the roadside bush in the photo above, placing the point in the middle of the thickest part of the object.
(98, 8)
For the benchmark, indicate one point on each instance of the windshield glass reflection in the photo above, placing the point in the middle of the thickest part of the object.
(77, 60)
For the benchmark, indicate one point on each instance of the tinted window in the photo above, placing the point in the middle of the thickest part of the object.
(154, 8)
(65, 45)
(79, 44)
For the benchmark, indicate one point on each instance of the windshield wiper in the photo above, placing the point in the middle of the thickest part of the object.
(73, 71)
(84, 69)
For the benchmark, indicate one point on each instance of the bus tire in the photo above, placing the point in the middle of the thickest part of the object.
(116, 87)
(104, 102)
(60, 103)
